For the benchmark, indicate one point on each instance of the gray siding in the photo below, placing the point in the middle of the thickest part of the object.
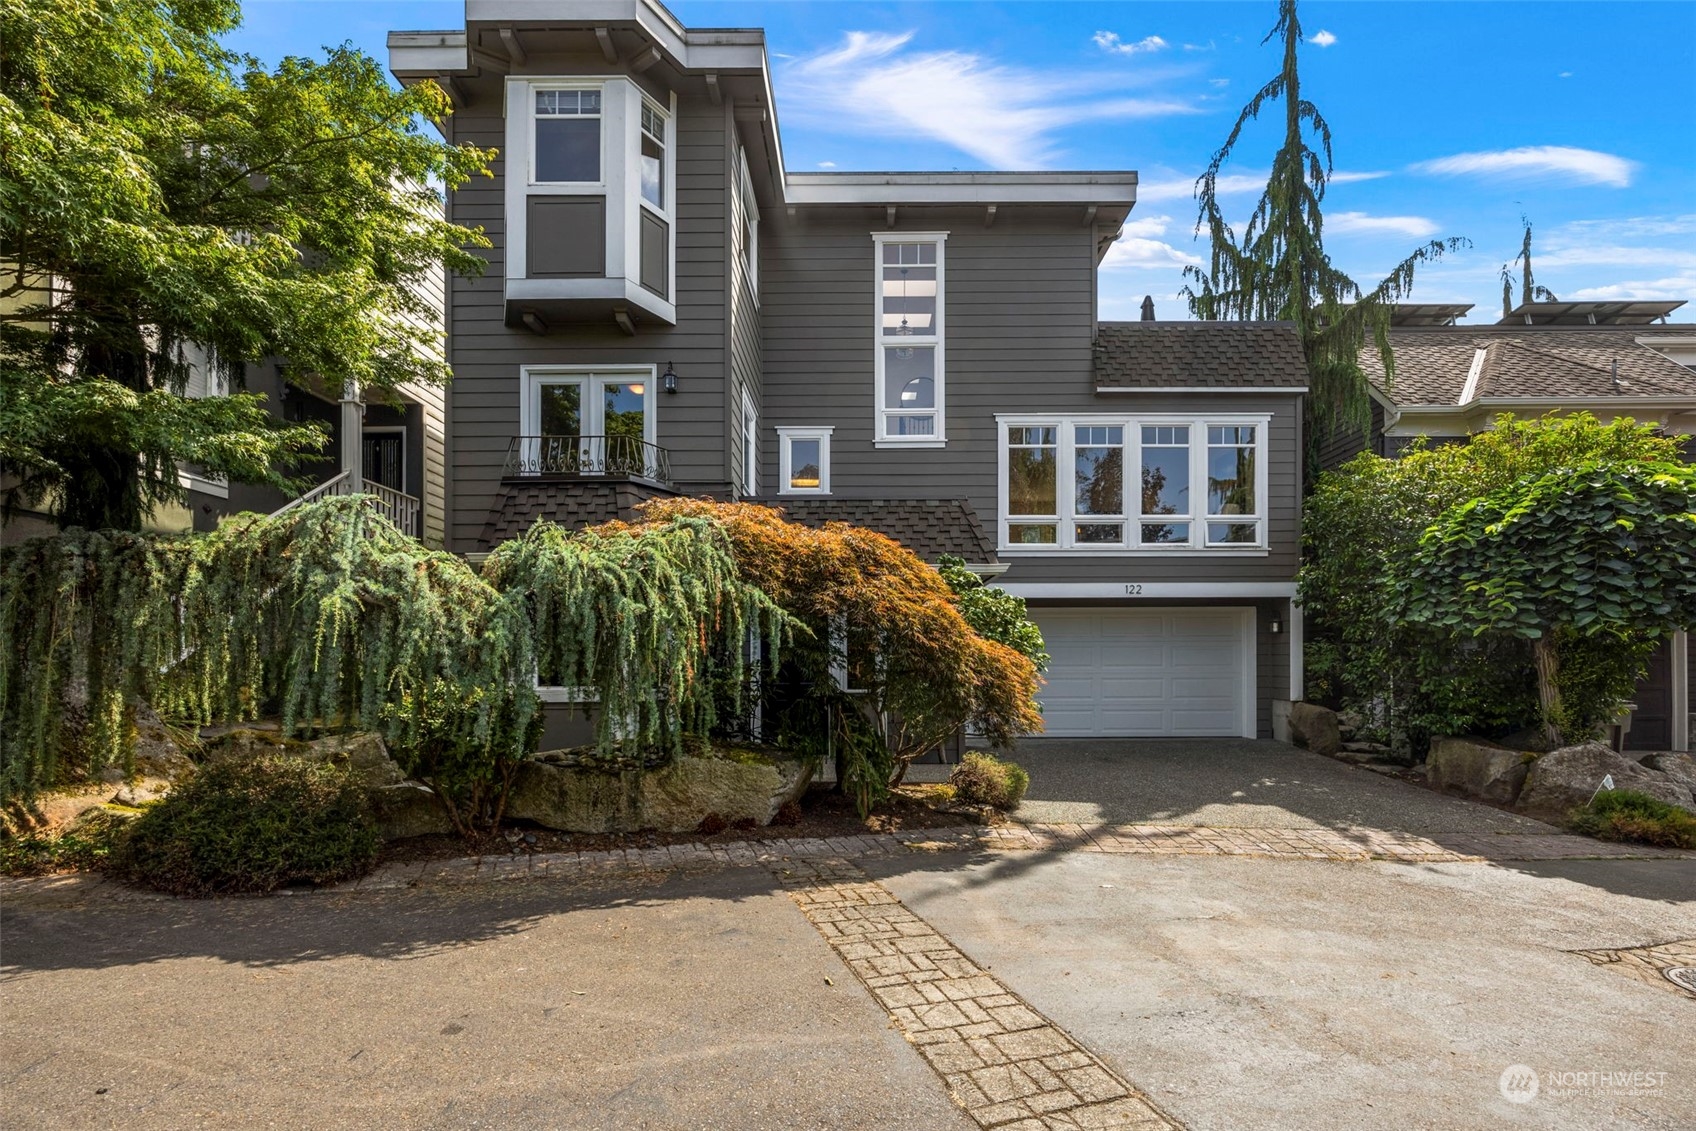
(483, 401)
(1018, 339)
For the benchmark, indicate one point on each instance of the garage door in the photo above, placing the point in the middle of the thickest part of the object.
(1147, 673)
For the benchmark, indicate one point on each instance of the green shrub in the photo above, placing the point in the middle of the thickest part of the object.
(84, 847)
(983, 779)
(253, 825)
(1625, 814)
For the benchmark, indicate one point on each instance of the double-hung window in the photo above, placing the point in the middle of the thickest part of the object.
(653, 155)
(908, 338)
(1098, 484)
(566, 148)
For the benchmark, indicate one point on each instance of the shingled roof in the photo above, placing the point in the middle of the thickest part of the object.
(1198, 355)
(1536, 362)
(928, 527)
(574, 505)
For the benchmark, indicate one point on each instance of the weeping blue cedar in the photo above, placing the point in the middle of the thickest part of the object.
(329, 615)
(645, 616)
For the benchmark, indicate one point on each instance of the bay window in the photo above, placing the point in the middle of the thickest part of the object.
(568, 136)
(1068, 483)
(908, 337)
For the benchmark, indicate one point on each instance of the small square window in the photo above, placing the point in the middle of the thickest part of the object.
(804, 457)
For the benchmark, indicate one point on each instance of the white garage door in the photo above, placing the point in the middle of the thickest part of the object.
(1148, 672)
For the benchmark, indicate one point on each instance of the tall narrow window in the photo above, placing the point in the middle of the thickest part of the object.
(568, 136)
(1033, 512)
(1098, 457)
(750, 446)
(653, 156)
(805, 460)
(1232, 507)
(1165, 484)
(909, 357)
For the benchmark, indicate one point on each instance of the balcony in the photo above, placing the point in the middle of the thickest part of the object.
(587, 457)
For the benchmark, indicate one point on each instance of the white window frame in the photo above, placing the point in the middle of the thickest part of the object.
(668, 159)
(748, 239)
(750, 445)
(533, 377)
(1065, 503)
(785, 438)
(937, 340)
(532, 119)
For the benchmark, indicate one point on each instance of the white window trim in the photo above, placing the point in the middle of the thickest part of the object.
(750, 206)
(1064, 504)
(534, 87)
(938, 340)
(668, 158)
(532, 377)
(750, 445)
(784, 437)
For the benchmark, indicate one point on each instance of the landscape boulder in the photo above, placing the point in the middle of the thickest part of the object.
(1680, 768)
(158, 751)
(1315, 727)
(735, 786)
(363, 753)
(1473, 767)
(1566, 779)
(407, 809)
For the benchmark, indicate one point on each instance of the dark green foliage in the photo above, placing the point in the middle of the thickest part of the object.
(1409, 679)
(168, 206)
(254, 825)
(1529, 289)
(84, 847)
(1279, 268)
(1625, 814)
(983, 779)
(994, 613)
(1602, 551)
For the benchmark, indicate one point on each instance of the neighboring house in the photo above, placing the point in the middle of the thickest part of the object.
(394, 450)
(1611, 359)
(669, 310)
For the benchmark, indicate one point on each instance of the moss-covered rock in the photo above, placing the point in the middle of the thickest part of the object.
(735, 784)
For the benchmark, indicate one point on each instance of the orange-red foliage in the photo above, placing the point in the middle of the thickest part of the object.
(934, 672)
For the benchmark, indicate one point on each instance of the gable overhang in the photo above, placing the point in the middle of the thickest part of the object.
(1678, 414)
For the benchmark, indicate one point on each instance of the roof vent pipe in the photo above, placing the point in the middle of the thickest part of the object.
(1616, 375)
(1148, 308)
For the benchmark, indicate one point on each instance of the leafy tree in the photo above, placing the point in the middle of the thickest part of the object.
(874, 612)
(1597, 550)
(1529, 289)
(166, 204)
(993, 613)
(1361, 527)
(1279, 269)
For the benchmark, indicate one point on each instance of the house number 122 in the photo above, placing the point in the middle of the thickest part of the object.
(1134, 589)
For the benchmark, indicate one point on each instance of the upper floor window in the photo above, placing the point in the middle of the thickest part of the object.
(1068, 483)
(653, 156)
(909, 338)
(568, 136)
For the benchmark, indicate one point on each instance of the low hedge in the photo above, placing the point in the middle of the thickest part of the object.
(253, 825)
(983, 779)
(1625, 814)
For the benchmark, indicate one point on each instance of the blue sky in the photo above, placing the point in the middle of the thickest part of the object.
(1449, 119)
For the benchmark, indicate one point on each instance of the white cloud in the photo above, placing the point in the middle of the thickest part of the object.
(1359, 223)
(1566, 74)
(1352, 178)
(1681, 286)
(827, 164)
(1537, 162)
(1220, 83)
(1208, 46)
(1140, 246)
(1322, 38)
(1006, 117)
(1110, 42)
(1183, 188)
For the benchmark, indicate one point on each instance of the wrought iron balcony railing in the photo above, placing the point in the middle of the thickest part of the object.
(572, 457)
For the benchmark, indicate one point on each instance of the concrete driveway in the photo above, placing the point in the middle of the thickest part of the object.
(1233, 783)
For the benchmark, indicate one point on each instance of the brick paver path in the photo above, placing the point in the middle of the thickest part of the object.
(1010, 1067)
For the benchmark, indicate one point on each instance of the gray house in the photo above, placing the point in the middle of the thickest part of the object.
(669, 310)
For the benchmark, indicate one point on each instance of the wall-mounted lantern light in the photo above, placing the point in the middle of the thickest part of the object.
(1276, 626)
(668, 380)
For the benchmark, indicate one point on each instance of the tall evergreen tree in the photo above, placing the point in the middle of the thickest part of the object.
(1279, 269)
(164, 200)
(1530, 290)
